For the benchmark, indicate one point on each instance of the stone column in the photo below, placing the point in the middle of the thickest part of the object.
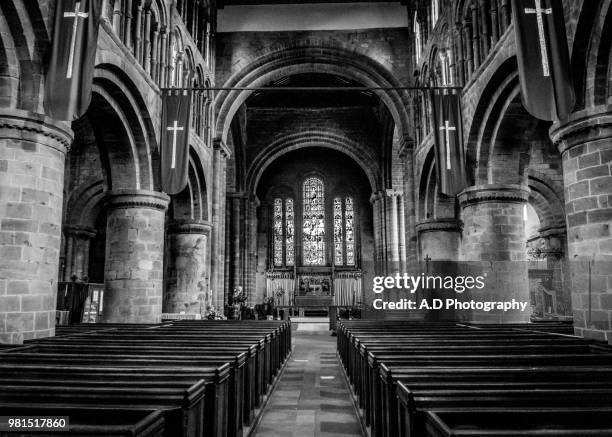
(406, 155)
(133, 273)
(380, 258)
(77, 251)
(32, 154)
(188, 268)
(494, 243)
(546, 251)
(440, 239)
(585, 143)
(220, 155)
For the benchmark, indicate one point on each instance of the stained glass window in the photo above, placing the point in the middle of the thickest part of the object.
(338, 233)
(278, 232)
(313, 222)
(289, 233)
(349, 230)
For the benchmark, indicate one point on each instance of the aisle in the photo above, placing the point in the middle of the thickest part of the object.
(311, 398)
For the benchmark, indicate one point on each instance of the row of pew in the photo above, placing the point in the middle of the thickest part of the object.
(178, 379)
(444, 379)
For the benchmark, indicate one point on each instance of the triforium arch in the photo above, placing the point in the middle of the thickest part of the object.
(311, 59)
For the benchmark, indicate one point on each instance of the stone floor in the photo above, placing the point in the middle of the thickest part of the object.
(311, 398)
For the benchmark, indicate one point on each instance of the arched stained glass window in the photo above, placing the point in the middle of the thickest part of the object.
(278, 232)
(289, 233)
(344, 232)
(338, 233)
(349, 230)
(313, 222)
(416, 27)
(283, 233)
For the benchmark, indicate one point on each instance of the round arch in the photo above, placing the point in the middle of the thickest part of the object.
(311, 59)
(328, 140)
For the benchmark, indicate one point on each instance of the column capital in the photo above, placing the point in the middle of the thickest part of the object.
(189, 227)
(129, 198)
(494, 193)
(219, 144)
(391, 193)
(440, 224)
(16, 124)
(85, 232)
(582, 127)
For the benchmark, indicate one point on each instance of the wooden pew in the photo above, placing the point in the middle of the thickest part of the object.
(537, 421)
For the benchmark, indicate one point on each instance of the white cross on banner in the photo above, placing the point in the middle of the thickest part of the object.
(175, 128)
(70, 71)
(539, 11)
(448, 146)
(75, 27)
(446, 129)
(176, 116)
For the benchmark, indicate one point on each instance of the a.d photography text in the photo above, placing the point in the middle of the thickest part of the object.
(449, 304)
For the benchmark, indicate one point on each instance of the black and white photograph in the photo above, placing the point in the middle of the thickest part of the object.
(306, 218)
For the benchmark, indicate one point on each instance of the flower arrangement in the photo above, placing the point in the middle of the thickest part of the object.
(213, 314)
(239, 297)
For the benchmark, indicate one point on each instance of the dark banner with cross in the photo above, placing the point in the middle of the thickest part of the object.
(543, 58)
(449, 152)
(71, 63)
(176, 115)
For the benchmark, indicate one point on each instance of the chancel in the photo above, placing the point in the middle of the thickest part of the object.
(284, 217)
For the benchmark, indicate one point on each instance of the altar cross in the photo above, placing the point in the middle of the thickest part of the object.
(174, 129)
(447, 128)
(75, 26)
(539, 11)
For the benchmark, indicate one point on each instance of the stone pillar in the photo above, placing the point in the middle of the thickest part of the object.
(220, 155)
(188, 268)
(546, 251)
(380, 259)
(440, 239)
(32, 154)
(133, 273)
(406, 155)
(494, 243)
(77, 251)
(585, 144)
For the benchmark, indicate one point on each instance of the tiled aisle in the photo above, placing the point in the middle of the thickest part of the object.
(311, 398)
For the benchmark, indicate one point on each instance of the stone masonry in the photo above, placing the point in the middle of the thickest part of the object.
(32, 155)
(134, 256)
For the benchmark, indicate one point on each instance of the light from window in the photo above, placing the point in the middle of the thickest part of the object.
(417, 38)
(435, 12)
(313, 225)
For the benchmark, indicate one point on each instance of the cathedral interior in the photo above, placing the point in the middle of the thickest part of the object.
(312, 179)
(298, 190)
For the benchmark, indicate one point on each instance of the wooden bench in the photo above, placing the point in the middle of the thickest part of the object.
(519, 423)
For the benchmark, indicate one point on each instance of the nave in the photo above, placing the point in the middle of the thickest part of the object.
(376, 378)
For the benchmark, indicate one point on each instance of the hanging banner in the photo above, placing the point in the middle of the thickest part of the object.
(176, 116)
(543, 58)
(449, 152)
(71, 64)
